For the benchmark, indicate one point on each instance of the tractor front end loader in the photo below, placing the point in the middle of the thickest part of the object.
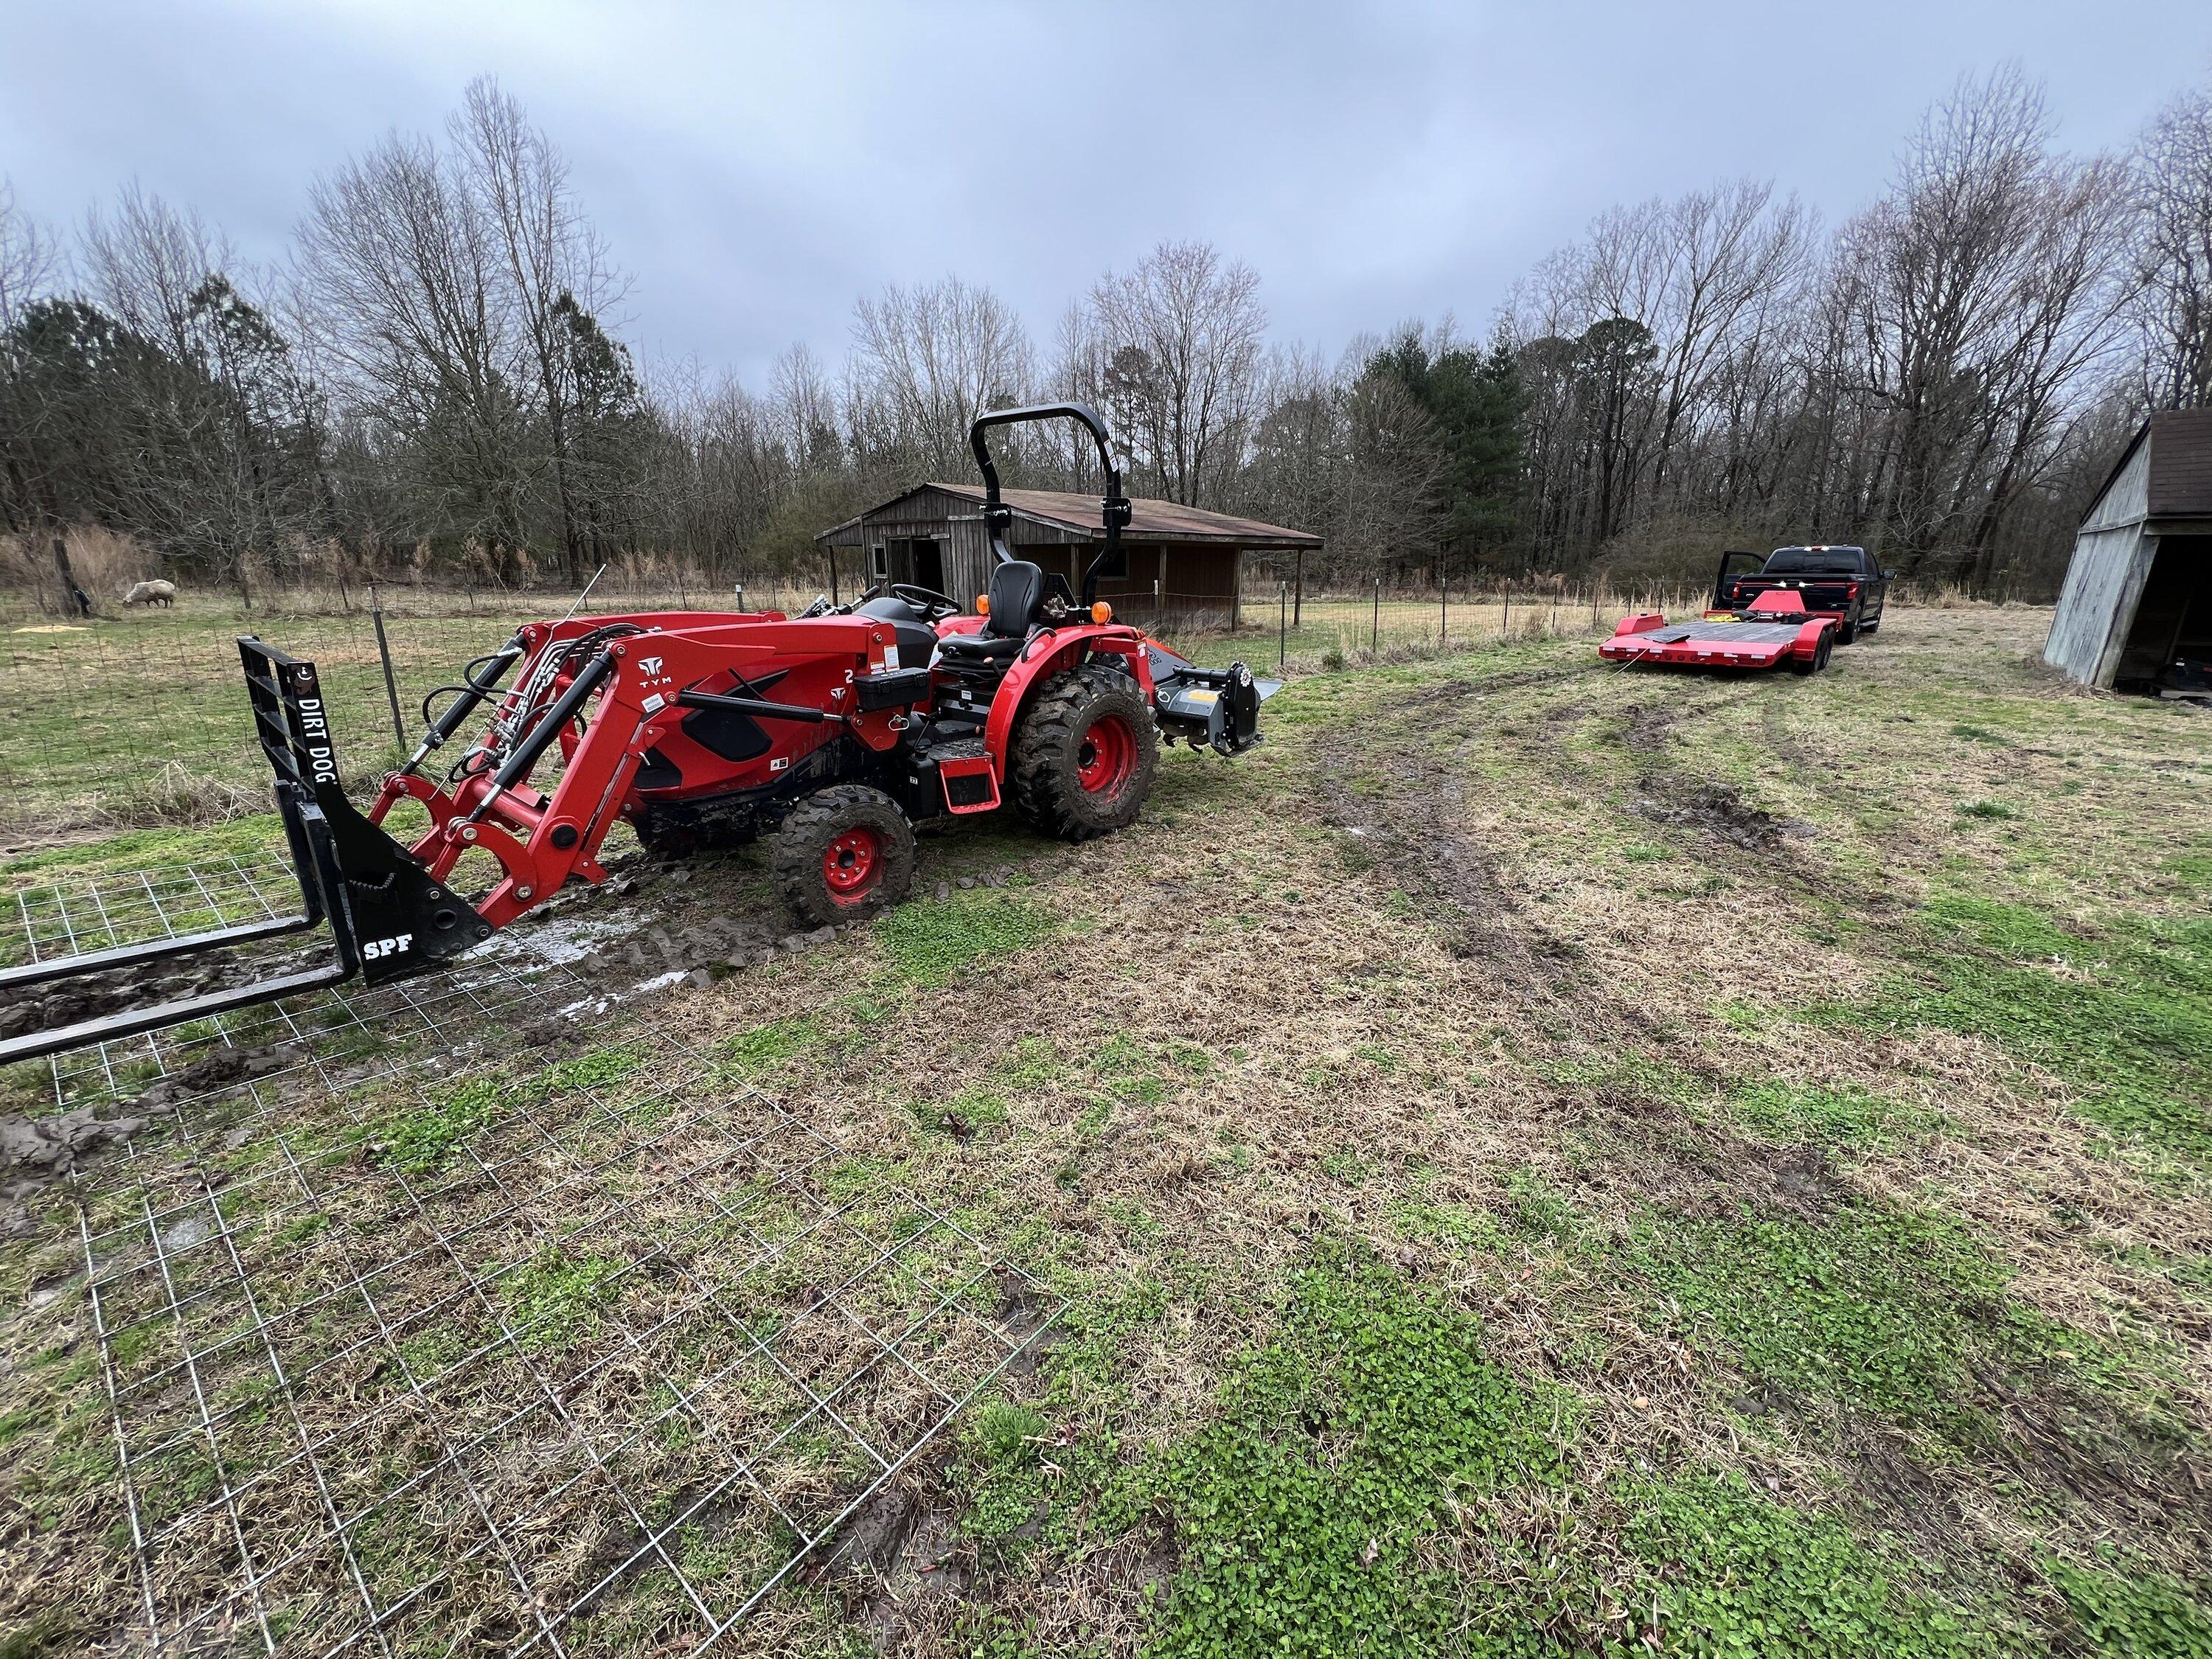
(830, 734)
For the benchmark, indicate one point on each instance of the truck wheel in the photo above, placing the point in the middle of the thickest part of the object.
(1847, 630)
(1084, 754)
(844, 853)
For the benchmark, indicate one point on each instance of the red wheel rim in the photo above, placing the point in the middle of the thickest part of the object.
(850, 864)
(1107, 755)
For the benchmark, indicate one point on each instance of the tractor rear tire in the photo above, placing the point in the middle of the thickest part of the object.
(845, 854)
(1084, 754)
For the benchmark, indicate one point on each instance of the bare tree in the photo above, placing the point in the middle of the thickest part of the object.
(1178, 351)
(929, 360)
(29, 259)
(1656, 314)
(805, 411)
(2171, 304)
(1980, 296)
(410, 284)
(557, 271)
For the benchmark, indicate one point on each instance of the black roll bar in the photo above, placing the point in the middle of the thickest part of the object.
(998, 517)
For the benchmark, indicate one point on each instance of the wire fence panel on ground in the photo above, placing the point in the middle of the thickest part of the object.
(418, 1321)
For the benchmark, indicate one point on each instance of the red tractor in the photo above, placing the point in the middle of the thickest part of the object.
(832, 733)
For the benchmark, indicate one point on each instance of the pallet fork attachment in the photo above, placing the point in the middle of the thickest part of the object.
(388, 918)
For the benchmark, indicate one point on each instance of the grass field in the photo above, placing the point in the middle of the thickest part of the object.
(140, 719)
(1538, 1159)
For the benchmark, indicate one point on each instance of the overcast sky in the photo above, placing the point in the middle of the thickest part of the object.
(755, 167)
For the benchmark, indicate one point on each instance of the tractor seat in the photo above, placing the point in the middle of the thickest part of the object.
(979, 649)
(1016, 590)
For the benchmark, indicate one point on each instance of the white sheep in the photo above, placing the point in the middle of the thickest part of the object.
(153, 593)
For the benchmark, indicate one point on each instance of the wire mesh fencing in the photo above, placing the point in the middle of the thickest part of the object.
(143, 720)
(420, 1318)
(1289, 628)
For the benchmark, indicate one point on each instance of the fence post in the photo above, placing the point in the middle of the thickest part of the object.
(1505, 622)
(384, 651)
(1444, 604)
(1282, 622)
(1375, 627)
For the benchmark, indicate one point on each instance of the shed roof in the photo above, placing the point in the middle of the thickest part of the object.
(1150, 521)
(2179, 474)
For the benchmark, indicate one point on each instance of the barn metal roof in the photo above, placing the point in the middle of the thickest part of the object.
(1150, 519)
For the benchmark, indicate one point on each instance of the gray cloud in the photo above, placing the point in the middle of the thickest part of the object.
(757, 167)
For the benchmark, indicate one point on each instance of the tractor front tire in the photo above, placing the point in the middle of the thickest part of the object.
(682, 836)
(1084, 754)
(845, 854)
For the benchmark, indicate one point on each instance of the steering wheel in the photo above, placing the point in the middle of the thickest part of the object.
(934, 604)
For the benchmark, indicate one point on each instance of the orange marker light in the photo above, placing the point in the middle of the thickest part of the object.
(1102, 612)
(982, 605)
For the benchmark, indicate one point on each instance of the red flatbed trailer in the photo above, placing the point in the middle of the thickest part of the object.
(1774, 629)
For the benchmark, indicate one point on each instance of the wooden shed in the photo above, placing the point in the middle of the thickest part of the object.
(1177, 563)
(2135, 614)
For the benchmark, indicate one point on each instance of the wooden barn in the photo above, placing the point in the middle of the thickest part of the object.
(2135, 613)
(1177, 563)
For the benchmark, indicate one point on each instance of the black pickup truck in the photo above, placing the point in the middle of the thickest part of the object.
(1843, 582)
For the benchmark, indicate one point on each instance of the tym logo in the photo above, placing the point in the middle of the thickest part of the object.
(649, 666)
(385, 947)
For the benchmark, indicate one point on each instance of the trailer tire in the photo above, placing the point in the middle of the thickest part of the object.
(1084, 753)
(1819, 658)
(844, 853)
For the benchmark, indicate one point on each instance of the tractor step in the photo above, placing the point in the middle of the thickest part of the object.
(963, 770)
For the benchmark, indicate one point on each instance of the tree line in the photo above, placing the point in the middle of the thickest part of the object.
(434, 382)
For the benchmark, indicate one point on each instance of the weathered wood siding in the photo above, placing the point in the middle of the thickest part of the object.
(2103, 585)
(2126, 500)
(1196, 583)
